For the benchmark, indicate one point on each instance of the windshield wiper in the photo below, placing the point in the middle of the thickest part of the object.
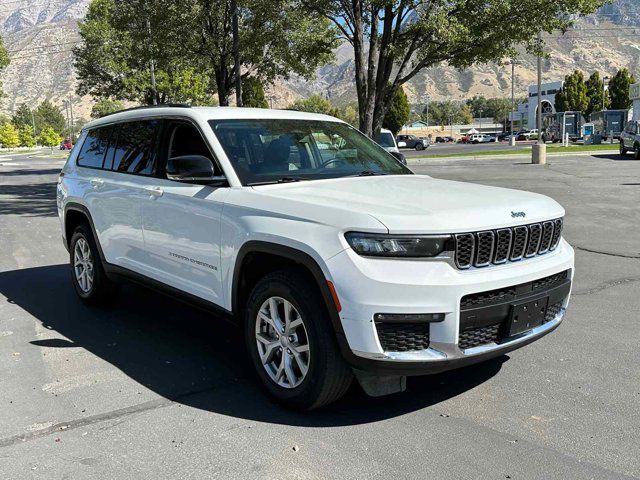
(368, 173)
(279, 180)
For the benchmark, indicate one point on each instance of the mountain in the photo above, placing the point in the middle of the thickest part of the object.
(41, 33)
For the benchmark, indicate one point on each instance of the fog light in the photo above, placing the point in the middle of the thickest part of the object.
(409, 317)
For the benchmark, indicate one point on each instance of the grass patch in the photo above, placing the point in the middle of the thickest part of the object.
(525, 151)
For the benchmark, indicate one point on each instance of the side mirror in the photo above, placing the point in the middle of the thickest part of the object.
(192, 169)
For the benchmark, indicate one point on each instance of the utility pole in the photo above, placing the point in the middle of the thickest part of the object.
(236, 51)
(604, 92)
(152, 66)
(539, 150)
(480, 119)
(73, 127)
(66, 111)
(427, 111)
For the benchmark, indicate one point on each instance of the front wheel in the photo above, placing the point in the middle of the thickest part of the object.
(623, 151)
(419, 146)
(292, 344)
(636, 151)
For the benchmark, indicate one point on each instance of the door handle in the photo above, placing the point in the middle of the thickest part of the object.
(96, 182)
(154, 191)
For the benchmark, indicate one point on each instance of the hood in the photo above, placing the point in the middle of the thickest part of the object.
(421, 204)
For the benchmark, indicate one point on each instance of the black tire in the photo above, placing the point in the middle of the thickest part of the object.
(636, 151)
(102, 290)
(328, 376)
(419, 146)
(623, 151)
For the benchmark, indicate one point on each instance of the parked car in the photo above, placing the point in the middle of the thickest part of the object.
(480, 138)
(503, 137)
(630, 139)
(527, 135)
(66, 144)
(445, 139)
(387, 141)
(337, 262)
(411, 141)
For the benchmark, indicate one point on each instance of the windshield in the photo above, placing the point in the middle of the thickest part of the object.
(272, 151)
(385, 139)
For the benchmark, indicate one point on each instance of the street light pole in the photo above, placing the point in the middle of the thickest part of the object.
(539, 149)
(512, 139)
(604, 91)
(427, 110)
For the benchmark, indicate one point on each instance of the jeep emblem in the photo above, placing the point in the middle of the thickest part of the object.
(518, 214)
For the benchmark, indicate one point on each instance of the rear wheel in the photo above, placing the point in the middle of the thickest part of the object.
(89, 278)
(636, 151)
(292, 344)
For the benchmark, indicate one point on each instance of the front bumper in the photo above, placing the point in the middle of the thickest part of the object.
(368, 286)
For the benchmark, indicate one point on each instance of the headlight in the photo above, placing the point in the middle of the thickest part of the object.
(381, 245)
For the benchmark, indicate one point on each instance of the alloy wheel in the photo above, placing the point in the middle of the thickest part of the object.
(282, 341)
(83, 265)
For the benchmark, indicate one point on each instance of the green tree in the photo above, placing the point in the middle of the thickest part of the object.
(573, 96)
(398, 112)
(253, 93)
(49, 137)
(22, 117)
(447, 111)
(48, 115)
(349, 114)
(27, 138)
(277, 38)
(105, 106)
(4, 60)
(314, 104)
(619, 89)
(394, 40)
(596, 93)
(9, 135)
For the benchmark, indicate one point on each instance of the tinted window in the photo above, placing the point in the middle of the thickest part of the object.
(186, 140)
(94, 148)
(385, 139)
(135, 148)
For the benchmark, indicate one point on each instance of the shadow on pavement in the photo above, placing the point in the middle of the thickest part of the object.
(30, 171)
(195, 359)
(614, 156)
(36, 200)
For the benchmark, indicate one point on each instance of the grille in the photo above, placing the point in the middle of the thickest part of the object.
(550, 281)
(487, 298)
(479, 336)
(506, 244)
(403, 337)
(552, 311)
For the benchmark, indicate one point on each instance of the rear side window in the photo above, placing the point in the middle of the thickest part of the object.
(94, 148)
(135, 150)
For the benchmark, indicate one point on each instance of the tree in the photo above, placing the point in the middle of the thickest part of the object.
(9, 135)
(122, 38)
(394, 40)
(398, 112)
(22, 117)
(253, 93)
(349, 114)
(595, 93)
(619, 89)
(4, 60)
(105, 106)
(27, 138)
(49, 137)
(448, 111)
(48, 115)
(314, 104)
(496, 108)
(573, 95)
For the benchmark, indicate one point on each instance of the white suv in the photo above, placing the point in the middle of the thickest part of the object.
(336, 260)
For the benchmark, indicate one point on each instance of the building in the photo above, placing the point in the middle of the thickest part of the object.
(634, 96)
(548, 92)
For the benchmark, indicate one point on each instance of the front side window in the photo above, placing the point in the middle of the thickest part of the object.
(186, 140)
(135, 148)
(94, 147)
(270, 151)
(385, 139)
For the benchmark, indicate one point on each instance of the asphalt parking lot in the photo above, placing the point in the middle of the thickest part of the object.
(155, 389)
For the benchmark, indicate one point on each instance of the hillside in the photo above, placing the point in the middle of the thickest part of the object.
(41, 33)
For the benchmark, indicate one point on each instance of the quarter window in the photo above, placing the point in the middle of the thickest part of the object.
(94, 148)
(135, 149)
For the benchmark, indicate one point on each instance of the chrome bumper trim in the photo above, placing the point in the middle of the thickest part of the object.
(446, 352)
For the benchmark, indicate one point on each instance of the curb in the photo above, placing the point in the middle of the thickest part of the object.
(423, 160)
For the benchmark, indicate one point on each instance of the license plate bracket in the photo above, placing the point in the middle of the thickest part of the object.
(527, 315)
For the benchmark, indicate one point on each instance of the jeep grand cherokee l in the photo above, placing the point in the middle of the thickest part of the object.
(336, 260)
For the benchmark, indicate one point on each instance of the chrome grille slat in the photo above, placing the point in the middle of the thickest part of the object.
(480, 249)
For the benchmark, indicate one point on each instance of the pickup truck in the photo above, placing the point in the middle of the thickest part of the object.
(630, 140)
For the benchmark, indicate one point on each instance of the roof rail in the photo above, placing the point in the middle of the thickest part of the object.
(160, 105)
